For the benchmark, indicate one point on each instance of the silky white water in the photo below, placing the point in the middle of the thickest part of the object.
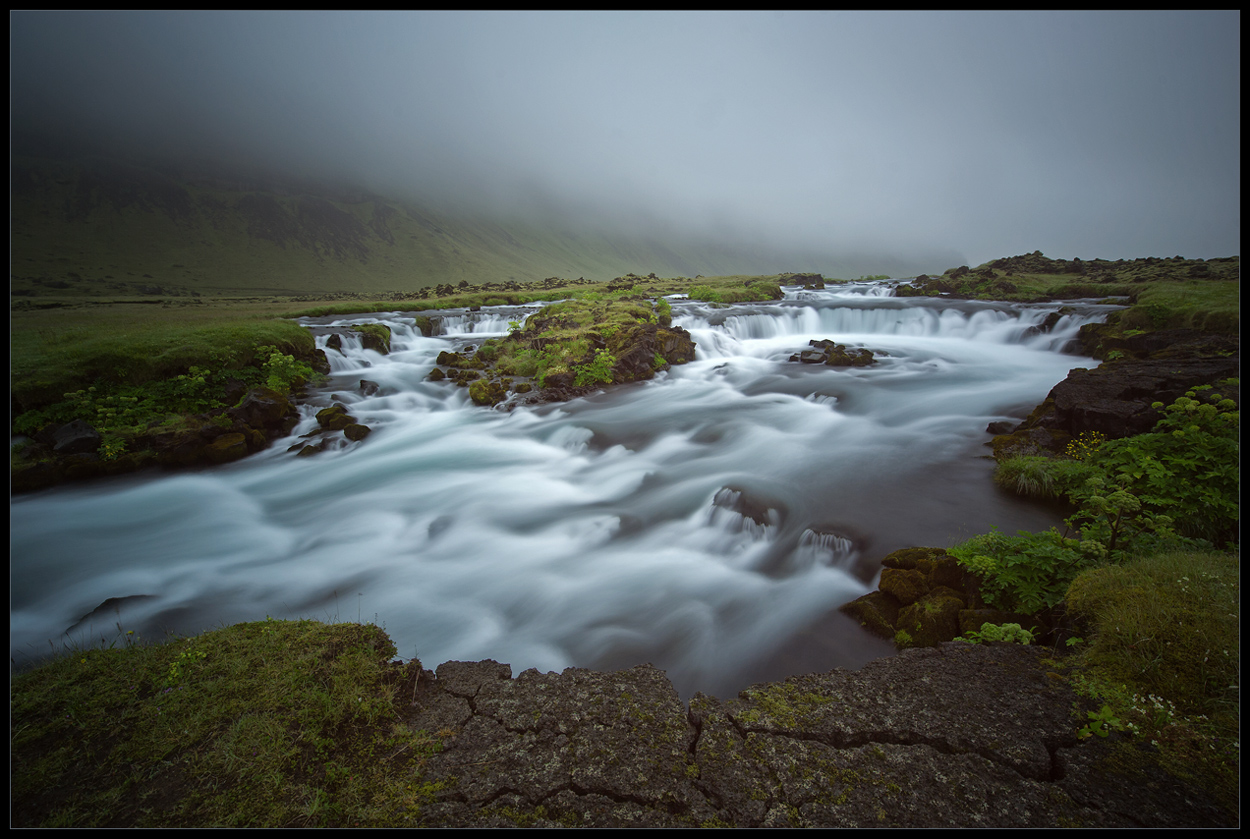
(602, 532)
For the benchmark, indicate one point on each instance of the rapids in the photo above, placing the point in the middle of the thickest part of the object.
(709, 521)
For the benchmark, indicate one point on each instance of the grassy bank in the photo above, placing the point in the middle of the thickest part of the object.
(279, 723)
(1163, 293)
(1162, 661)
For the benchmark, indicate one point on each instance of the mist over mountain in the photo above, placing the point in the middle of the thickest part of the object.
(846, 143)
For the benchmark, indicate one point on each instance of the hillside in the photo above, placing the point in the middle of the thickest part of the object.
(103, 227)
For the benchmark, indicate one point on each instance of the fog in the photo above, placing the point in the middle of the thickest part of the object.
(941, 136)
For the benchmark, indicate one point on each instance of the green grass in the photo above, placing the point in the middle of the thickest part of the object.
(60, 351)
(1163, 656)
(1209, 305)
(1164, 293)
(276, 723)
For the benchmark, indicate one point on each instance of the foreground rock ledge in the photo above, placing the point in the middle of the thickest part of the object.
(957, 735)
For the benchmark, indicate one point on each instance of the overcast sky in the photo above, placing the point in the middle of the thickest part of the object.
(1079, 134)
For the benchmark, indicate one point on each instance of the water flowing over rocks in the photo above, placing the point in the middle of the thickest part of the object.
(592, 532)
(958, 735)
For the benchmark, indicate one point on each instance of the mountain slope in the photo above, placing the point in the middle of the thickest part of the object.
(96, 226)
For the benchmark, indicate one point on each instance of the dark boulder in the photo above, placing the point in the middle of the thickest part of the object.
(77, 437)
(226, 448)
(356, 432)
(1116, 399)
(266, 409)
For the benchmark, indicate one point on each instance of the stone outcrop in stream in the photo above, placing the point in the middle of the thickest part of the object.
(1116, 398)
(956, 735)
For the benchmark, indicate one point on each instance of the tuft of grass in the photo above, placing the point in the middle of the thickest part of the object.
(746, 293)
(273, 723)
(1037, 476)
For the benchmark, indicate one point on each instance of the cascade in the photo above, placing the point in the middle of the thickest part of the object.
(709, 521)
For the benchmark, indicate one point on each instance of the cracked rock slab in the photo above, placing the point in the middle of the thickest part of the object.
(586, 747)
(960, 735)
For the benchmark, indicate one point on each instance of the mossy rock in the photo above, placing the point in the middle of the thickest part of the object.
(375, 336)
(334, 418)
(946, 571)
(487, 392)
(931, 620)
(911, 557)
(356, 432)
(226, 448)
(905, 585)
(876, 611)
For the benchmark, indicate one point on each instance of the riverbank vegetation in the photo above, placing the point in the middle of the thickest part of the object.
(1162, 293)
(1148, 574)
(135, 367)
(276, 723)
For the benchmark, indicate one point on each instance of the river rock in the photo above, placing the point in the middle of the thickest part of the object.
(920, 598)
(1115, 400)
(356, 432)
(266, 409)
(834, 354)
(334, 418)
(77, 437)
(226, 448)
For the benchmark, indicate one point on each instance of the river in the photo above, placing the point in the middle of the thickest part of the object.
(709, 521)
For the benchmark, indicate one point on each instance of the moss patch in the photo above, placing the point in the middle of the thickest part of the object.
(273, 723)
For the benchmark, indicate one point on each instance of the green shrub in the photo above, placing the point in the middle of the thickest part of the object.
(1183, 476)
(1037, 476)
(1026, 573)
(598, 371)
(1012, 633)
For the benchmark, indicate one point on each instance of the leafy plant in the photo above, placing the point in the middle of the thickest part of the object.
(1012, 633)
(1026, 573)
(1186, 472)
(597, 371)
(283, 373)
(1101, 723)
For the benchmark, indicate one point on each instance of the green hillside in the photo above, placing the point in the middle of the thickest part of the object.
(98, 227)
